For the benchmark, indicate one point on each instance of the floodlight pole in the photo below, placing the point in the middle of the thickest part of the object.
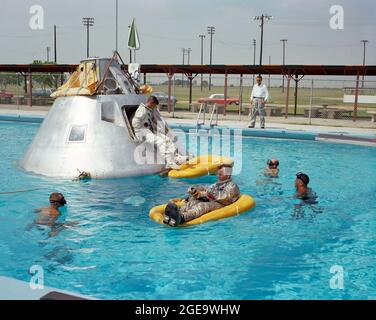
(87, 22)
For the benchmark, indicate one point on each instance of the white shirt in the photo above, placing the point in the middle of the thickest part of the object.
(260, 92)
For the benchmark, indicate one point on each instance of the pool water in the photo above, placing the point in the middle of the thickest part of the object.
(275, 251)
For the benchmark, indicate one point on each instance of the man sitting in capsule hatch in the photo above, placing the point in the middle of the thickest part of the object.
(204, 199)
(145, 124)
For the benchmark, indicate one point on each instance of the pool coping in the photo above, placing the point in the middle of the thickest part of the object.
(21, 290)
(276, 133)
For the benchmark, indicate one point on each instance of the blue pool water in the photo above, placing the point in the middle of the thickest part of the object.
(116, 252)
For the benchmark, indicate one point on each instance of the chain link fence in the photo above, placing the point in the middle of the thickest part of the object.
(15, 88)
(311, 99)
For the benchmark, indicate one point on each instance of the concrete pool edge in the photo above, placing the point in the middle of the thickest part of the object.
(21, 290)
(276, 133)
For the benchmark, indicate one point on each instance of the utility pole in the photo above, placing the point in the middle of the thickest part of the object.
(211, 31)
(87, 22)
(254, 57)
(262, 19)
(364, 58)
(48, 54)
(189, 54)
(116, 27)
(283, 62)
(202, 37)
(55, 54)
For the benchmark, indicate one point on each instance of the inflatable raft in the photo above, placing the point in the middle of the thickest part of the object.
(200, 166)
(243, 204)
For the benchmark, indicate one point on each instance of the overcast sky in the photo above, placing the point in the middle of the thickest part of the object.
(166, 26)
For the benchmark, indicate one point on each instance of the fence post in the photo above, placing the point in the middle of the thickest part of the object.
(241, 97)
(173, 94)
(296, 94)
(287, 95)
(30, 90)
(310, 102)
(190, 91)
(356, 97)
(169, 75)
(225, 94)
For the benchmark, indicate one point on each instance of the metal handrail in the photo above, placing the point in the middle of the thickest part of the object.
(215, 109)
(202, 110)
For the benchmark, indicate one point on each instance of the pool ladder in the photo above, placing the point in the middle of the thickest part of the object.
(202, 114)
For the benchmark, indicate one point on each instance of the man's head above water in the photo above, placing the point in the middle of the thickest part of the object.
(57, 199)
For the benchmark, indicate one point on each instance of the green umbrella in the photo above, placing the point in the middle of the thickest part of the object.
(133, 41)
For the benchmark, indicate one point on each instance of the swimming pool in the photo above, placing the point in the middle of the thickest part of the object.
(273, 252)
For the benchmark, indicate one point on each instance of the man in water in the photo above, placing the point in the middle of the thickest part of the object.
(305, 194)
(203, 199)
(147, 124)
(259, 97)
(48, 215)
(272, 169)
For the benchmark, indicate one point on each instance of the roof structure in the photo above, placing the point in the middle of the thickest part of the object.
(332, 70)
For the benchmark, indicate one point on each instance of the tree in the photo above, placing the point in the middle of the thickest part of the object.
(45, 80)
(8, 79)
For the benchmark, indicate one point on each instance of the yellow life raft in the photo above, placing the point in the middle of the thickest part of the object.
(244, 203)
(200, 166)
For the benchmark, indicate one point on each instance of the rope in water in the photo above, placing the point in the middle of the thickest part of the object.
(20, 191)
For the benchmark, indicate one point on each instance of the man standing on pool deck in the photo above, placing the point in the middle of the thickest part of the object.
(259, 97)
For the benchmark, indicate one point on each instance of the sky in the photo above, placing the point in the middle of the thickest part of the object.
(167, 26)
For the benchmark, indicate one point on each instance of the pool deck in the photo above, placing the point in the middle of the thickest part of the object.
(359, 133)
(13, 289)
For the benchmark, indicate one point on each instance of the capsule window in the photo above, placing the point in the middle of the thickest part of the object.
(111, 113)
(77, 134)
(108, 112)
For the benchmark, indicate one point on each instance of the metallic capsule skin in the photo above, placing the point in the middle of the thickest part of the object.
(103, 148)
